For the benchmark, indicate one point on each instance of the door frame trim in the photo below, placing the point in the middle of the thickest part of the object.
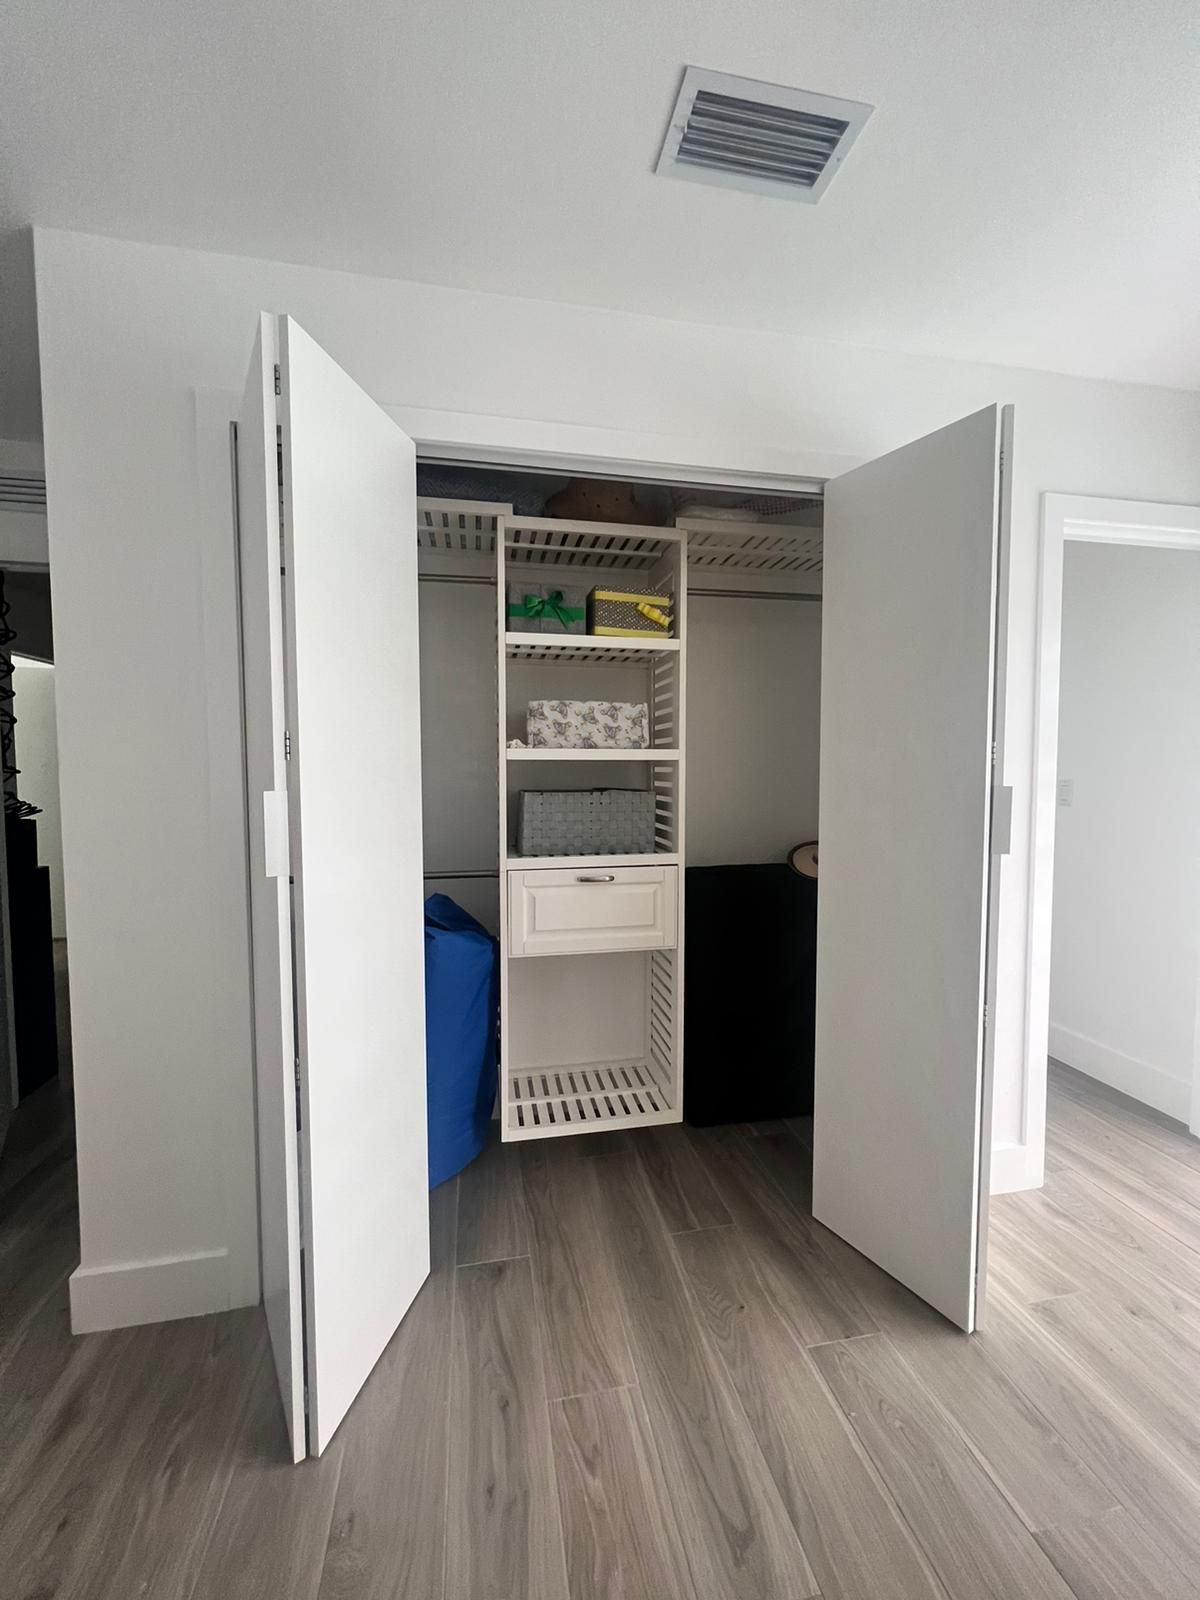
(1092, 520)
(633, 469)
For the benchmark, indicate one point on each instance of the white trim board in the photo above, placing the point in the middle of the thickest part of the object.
(530, 444)
(1142, 523)
(1010, 1169)
(128, 1293)
(1140, 1080)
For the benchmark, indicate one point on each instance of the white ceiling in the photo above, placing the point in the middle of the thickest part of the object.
(1026, 191)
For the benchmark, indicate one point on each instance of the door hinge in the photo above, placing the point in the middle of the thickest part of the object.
(296, 1065)
(287, 745)
(278, 389)
(985, 1015)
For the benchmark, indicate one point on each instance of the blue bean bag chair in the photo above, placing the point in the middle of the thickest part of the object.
(462, 997)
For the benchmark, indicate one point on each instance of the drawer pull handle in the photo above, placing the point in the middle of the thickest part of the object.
(598, 877)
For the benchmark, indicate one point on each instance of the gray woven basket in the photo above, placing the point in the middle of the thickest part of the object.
(585, 822)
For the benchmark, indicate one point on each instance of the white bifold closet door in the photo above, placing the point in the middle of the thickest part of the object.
(909, 728)
(326, 509)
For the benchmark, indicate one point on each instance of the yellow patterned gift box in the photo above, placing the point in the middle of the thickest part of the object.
(616, 613)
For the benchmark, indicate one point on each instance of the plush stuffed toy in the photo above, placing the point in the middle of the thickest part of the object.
(595, 500)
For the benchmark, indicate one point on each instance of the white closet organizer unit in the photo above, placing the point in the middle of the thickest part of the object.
(914, 609)
(591, 946)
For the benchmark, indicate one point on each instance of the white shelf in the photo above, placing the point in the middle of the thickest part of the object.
(592, 755)
(563, 543)
(648, 858)
(768, 547)
(467, 528)
(463, 527)
(582, 649)
(545, 1101)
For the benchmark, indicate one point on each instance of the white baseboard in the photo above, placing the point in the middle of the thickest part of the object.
(1014, 1167)
(132, 1292)
(1138, 1079)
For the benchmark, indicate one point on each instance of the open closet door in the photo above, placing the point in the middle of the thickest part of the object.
(908, 722)
(264, 723)
(327, 512)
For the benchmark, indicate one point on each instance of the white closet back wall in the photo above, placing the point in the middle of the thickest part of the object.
(458, 741)
(754, 723)
(753, 726)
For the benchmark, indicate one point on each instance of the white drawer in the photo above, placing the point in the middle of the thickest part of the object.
(559, 911)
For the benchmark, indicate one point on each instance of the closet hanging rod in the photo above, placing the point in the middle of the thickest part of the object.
(447, 877)
(695, 594)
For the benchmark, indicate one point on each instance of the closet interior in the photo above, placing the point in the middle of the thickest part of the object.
(571, 839)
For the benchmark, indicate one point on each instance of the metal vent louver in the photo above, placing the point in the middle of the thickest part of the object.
(22, 494)
(760, 137)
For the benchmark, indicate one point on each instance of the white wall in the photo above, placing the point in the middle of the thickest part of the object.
(139, 505)
(1126, 943)
(23, 537)
(37, 757)
(754, 727)
(458, 742)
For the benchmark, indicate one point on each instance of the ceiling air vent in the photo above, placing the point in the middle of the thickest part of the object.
(760, 137)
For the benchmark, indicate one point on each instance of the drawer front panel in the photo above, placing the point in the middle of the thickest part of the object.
(562, 911)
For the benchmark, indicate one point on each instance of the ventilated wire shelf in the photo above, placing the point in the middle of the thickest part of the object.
(551, 541)
(469, 527)
(466, 527)
(584, 650)
(753, 547)
(586, 1097)
(22, 492)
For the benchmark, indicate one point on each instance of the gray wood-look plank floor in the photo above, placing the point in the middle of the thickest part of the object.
(641, 1371)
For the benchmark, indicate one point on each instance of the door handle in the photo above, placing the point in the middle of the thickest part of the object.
(597, 877)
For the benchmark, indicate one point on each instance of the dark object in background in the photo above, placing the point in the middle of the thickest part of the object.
(803, 858)
(597, 500)
(35, 1021)
(750, 969)
(443, 480)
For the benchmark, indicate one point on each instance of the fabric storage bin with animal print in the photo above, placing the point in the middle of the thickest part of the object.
(587, 725)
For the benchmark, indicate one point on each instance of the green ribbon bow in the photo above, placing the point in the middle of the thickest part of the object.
(536, 605)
